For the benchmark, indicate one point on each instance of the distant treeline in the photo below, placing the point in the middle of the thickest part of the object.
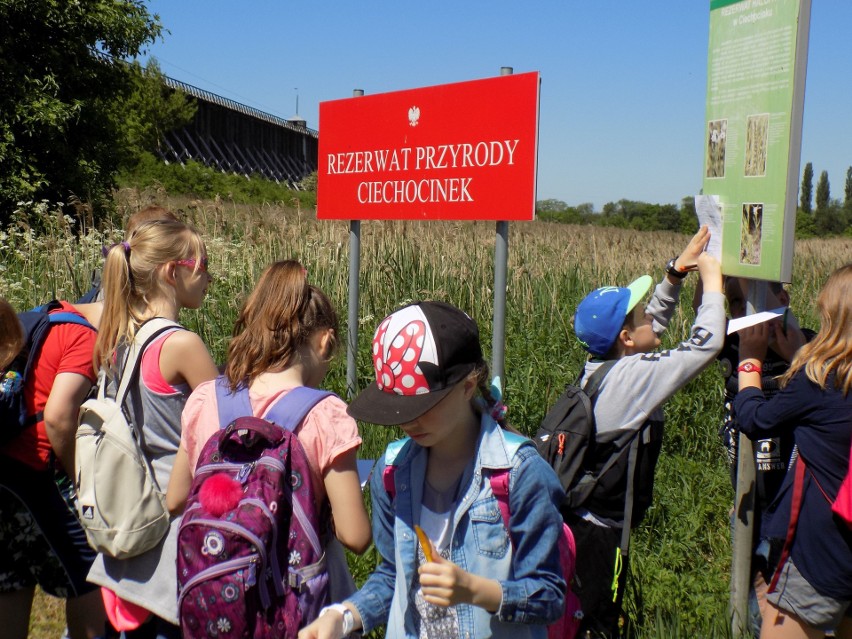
(830, 217)
(626, 214)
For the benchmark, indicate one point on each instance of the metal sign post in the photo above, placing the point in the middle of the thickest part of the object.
(501, 268)
(354, 299)
(743, 527)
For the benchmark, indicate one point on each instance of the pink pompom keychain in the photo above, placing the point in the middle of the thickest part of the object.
(219, 494)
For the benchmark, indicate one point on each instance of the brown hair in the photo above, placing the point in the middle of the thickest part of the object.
(279, 317)
(830, 351)
(132, 278)
(12, 340)
(152, 213)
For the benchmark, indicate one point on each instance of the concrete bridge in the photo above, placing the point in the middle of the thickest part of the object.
(236, 138)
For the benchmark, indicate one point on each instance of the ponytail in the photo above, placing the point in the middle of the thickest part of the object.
(132, 279)
(490, 400)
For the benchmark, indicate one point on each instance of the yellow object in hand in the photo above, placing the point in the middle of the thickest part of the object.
(425, 544)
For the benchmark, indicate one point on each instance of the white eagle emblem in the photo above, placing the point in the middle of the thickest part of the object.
(413, 115)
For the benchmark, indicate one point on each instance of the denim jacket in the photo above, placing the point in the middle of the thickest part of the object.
(527, 568)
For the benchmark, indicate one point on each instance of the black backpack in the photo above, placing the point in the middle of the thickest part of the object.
(566, 438)
(13, 379)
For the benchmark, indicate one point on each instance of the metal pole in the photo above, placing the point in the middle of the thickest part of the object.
(354, 296)
(743, 527)
(501, 267)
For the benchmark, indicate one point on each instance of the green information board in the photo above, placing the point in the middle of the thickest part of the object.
(756, 67)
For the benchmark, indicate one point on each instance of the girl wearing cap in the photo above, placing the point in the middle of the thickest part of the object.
(469, 576)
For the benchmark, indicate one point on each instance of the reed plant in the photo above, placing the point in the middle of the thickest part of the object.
(680, 558)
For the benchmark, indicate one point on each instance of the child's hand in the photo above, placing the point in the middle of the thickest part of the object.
(688, 259)
(443, 583)
(329, 626)
(786, 342)
(710, 272)
(754, 341)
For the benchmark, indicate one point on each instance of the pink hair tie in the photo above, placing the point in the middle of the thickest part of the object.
(498, 411)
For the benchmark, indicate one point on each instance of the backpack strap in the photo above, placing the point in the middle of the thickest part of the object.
(628, 493)
(392, 453)
(499, 477)
(38, 336)
(596, 379)
(287, 412)
(795, 509)
(147, 333)
(591, 389)
(500, 487)
(67, 317)
(231, 404)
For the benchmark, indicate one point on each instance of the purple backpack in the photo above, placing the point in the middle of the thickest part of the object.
(250, 562)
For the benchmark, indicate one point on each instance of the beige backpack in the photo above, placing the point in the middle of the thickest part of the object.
(120, 505)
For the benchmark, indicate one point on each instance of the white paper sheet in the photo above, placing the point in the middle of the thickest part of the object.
(364, 468)
(755, 318)
(708, 209)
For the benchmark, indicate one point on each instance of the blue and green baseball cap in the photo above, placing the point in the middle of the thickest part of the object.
(602, 312)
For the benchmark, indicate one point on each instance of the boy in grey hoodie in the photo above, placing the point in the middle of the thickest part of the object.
(612, 325)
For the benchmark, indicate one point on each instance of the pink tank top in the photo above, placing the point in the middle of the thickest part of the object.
(150, 368)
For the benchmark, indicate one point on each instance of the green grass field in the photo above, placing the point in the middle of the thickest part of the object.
(680, 562)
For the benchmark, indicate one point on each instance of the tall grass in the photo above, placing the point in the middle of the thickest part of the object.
(681, 553)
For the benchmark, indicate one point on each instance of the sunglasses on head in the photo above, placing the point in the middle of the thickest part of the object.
(191, 262)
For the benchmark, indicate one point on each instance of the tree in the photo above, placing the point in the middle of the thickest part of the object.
(847, 194)
(550, 206)
(823, 192)
(151, 110)
(688, 218)
(829, 220)
(61, 90)
(807, 188)
(805, 225)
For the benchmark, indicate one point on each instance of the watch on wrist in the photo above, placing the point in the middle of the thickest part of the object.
(348, 617)
(673, 270)
(749, 367)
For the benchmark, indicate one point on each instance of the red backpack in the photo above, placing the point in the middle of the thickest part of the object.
(842, 506)
(567, 626)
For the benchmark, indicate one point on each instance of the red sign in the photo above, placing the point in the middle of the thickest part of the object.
(464, 151)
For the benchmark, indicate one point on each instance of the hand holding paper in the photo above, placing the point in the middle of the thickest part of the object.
(708, 209)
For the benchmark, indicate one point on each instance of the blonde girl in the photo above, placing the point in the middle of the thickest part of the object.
(285, 337)
(811, 590)
(158, 270)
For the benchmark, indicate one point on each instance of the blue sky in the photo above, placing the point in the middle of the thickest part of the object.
(623, 83)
